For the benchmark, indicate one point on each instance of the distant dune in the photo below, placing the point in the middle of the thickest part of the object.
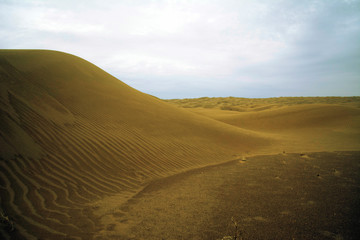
(256, 104)
(75, 142)
(298, 123)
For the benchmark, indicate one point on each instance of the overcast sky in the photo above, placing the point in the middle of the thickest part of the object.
(178, 49)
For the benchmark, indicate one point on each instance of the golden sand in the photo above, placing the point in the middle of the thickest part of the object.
(77, 143)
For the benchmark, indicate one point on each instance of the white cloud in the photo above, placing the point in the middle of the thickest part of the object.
(226, 44)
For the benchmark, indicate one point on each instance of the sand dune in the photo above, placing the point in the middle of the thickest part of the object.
(299, 127)
(284, 114)
(76, 142)
(291, 117)
(258, 104)
(71, 134)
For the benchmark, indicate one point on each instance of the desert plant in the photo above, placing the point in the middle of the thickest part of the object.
(5, 221)
(236, 231)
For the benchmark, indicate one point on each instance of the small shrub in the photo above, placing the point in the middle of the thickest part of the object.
(236, 231)
(6, 222)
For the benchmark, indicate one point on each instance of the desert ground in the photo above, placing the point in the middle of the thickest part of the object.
(284, 196)
(85, 156)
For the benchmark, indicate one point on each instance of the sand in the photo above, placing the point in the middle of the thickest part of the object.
(80, 152)
(291, 196)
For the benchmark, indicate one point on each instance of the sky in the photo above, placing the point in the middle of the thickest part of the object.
(187, 49)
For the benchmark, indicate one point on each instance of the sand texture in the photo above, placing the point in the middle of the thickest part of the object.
(78, 146)
(292, 196)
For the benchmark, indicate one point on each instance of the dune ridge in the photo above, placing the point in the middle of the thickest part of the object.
(72, 135)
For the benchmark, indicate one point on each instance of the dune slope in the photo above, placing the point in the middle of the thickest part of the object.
(71, 134)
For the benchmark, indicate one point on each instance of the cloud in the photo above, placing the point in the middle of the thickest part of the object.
(196, 48)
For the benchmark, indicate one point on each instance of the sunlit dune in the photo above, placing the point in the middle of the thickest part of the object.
(77, 144)
(289, 117)
(72, 134)
(327, 124)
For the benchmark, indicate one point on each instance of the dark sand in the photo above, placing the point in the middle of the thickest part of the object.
(285, 196)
